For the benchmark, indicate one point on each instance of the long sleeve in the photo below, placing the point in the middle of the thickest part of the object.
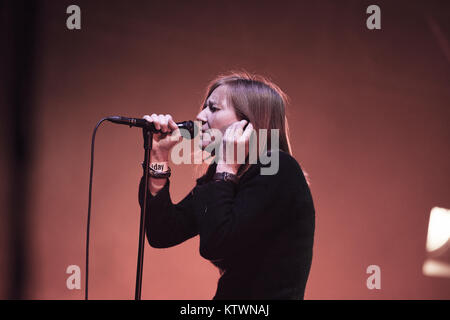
(237, 218)
(167, 224)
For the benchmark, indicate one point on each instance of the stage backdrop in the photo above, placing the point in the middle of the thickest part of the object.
(368, 116)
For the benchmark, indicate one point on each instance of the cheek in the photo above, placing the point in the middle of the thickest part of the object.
(213, 120)
(221, 120)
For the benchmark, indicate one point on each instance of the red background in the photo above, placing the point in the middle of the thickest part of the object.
(369, 120)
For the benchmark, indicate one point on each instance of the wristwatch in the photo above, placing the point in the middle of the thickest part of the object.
(225, 176)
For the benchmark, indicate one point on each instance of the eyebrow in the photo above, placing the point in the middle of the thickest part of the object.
(209, 103)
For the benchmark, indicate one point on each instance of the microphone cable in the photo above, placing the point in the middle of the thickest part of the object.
(190, 126)
(89, 208)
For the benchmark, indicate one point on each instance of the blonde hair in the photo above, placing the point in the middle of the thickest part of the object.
(257, 100)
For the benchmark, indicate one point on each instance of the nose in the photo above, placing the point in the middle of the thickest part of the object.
(202, 116)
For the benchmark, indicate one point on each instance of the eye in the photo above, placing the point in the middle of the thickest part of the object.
(213, 109)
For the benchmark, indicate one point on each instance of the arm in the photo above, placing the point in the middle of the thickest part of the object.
(238, 219)
(167, 224)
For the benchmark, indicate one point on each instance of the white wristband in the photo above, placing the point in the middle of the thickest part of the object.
(159, 166)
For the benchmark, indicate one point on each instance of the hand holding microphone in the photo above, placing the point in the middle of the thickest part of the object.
(168, 137)
(161, 126)
(162, 143)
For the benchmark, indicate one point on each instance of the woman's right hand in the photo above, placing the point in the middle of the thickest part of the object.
(163, 142)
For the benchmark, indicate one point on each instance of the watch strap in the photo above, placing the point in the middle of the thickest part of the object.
(225, 176)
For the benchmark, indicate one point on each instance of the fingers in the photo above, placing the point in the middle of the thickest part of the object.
(148, 118)
(172, 125)
(238, 125)
(239, 129)
(164, 123)
(247, 132)
(241, 124)
(155, 121)
(235, 130)
(176, 136)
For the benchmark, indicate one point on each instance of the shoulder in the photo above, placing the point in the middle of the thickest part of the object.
(276, 165)
(284, 180)
(288, 162)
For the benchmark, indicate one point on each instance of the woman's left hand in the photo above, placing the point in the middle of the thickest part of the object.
(235, 147)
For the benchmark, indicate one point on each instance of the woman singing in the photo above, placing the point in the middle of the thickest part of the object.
(255, 219)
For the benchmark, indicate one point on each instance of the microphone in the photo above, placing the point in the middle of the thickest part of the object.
(142, 123)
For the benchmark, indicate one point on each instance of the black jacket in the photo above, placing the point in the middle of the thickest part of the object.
(259, 233)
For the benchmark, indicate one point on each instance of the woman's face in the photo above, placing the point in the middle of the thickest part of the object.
(217, 114)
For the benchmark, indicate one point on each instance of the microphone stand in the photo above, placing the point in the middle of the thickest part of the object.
(148, 139)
